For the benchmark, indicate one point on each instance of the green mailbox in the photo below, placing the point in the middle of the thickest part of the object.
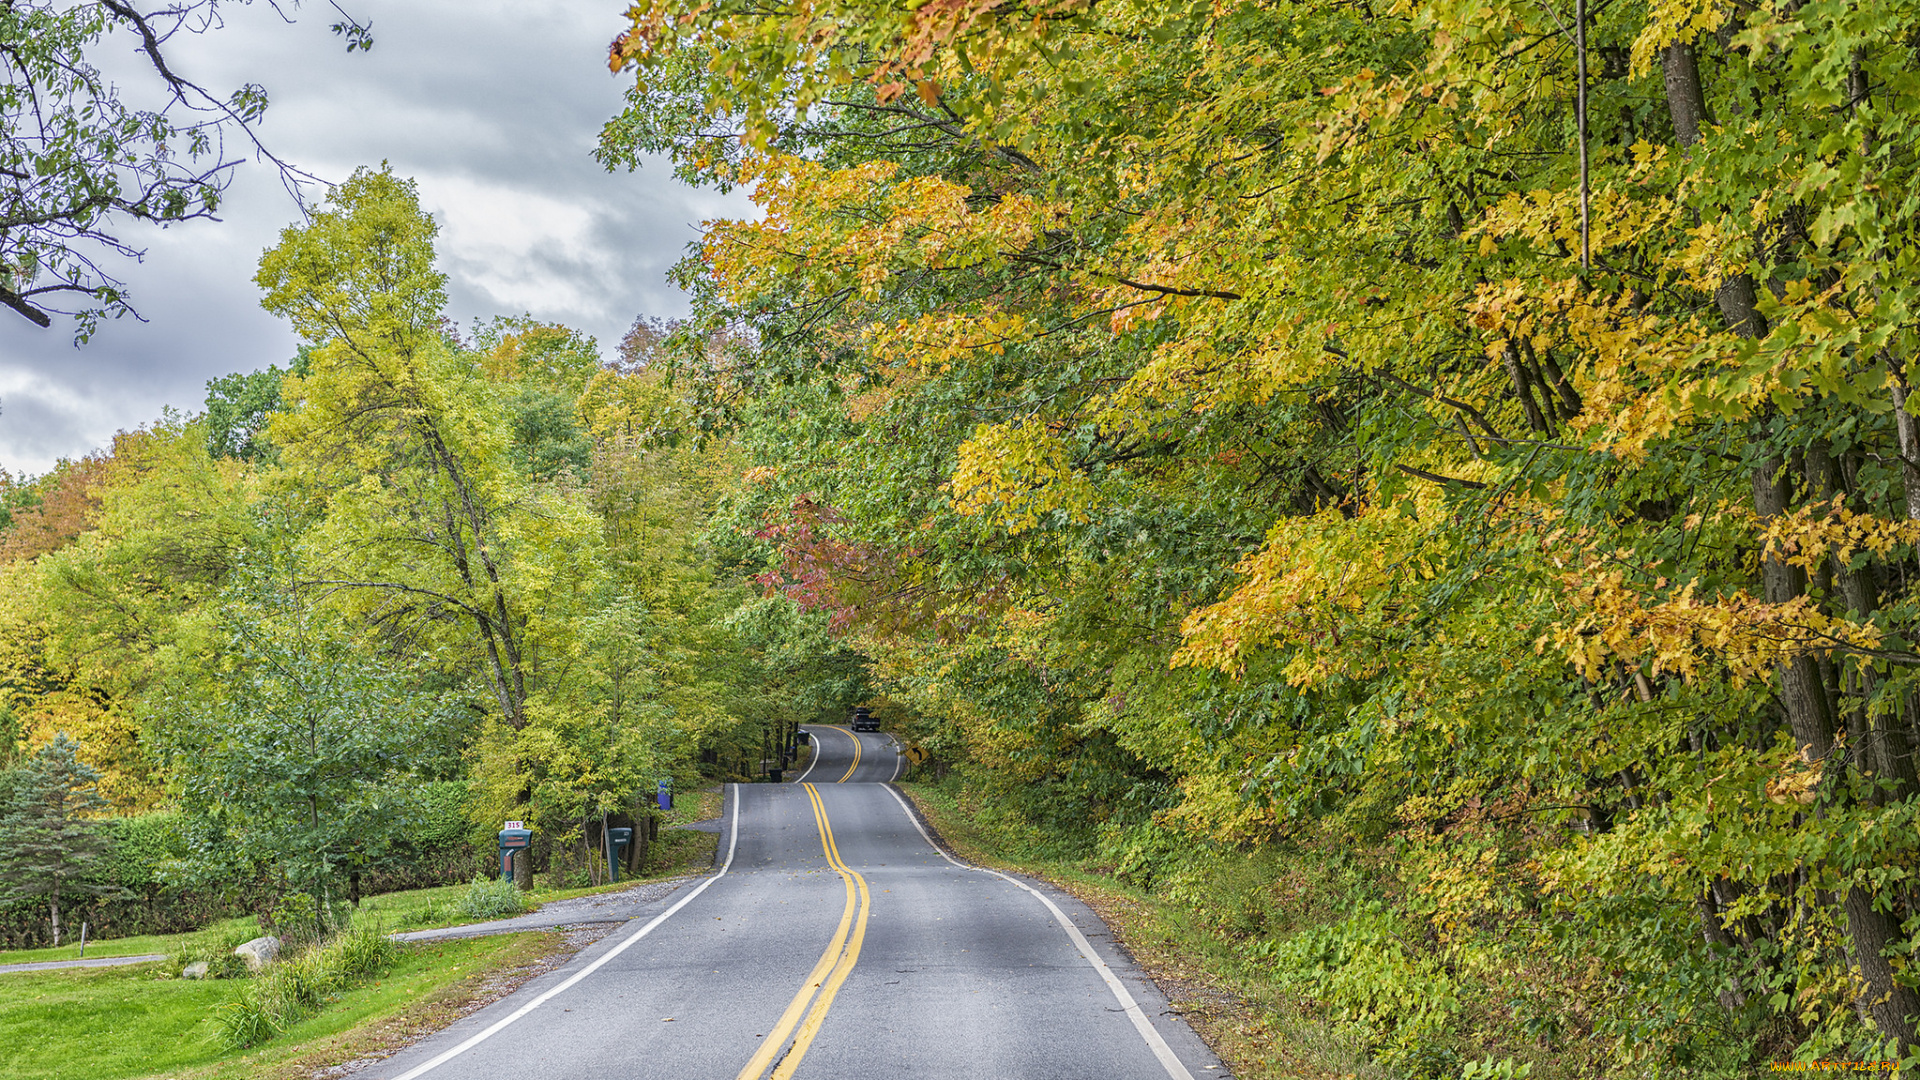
(512, 842)
(618, 840)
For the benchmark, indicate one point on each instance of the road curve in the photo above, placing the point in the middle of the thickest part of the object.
(835, 942)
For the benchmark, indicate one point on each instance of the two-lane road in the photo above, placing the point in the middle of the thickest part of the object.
(836, 941)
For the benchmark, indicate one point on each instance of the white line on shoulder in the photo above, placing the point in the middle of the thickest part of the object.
(1169, 1061)
(499, 1025)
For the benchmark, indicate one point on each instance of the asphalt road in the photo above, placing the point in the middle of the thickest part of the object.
(835, 942)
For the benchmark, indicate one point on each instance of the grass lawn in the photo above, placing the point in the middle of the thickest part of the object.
(678, 851)
(115, 1023)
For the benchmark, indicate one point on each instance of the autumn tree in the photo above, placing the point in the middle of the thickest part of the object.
(1301, 418)
(403, 446)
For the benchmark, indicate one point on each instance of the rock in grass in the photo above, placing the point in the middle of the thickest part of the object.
(259, 952)
(195, 970)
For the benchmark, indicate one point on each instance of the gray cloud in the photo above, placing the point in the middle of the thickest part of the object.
(493, 106)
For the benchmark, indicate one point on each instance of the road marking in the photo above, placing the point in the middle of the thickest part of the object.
(856, 756)
(818, 1014)
(499, 1025)
(828, 974)
(1169, 1061)
(814, 738)
(777, 1035)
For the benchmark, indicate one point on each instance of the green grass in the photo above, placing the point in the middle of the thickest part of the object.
(127, 946)
(678, 851)
(117, 1023)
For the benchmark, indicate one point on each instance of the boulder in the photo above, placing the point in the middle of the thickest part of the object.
(195, 970)
(259, 952)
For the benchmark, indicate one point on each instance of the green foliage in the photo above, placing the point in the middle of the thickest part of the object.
(16, 494)
(86, 153)
(238, 408)
(298, 748)
(147, 849)
(485, 899)
(51, 846)
(439, 814)
(293, 988)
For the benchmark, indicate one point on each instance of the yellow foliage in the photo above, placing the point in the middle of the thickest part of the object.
(1313, 580)
(1688, 635)
(1818, 530)
(1021, 472)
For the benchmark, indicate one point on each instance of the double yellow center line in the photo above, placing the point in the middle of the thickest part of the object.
(827, 975)
(856, 760)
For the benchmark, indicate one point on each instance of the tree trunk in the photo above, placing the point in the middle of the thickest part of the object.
(1908, 434)
(53, 903)
(1686, 98)
(1524, 391)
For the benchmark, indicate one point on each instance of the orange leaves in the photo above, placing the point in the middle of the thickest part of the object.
(1798, 780)
(649, 31)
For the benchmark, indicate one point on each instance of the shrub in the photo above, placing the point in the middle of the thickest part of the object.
(302, 984)
(490, 898)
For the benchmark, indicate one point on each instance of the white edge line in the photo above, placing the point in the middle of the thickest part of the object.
(815, 741)
(498, 1025)
(899, 759)
(1155, 1042)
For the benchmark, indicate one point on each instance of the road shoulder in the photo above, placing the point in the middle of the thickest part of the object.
(1105, 931)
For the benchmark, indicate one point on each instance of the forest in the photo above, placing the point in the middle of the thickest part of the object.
(1425, 488)
(1427, 485)
(318, 640)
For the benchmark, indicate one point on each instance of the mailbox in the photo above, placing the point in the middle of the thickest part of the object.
(512, 842)
(617, 841)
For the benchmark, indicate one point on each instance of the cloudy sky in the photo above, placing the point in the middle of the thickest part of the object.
(493, 106)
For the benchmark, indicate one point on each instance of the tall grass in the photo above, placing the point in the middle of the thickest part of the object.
(485, 898)
(293, 988)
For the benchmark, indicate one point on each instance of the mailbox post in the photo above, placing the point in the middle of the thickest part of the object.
(617, 842)
(513, 841)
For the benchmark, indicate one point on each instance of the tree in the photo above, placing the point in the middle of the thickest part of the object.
(300, 748)
(53, 843)
(1351, 413)
(238, 408)
(406, 450)
(79, 160)
(90, 629)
